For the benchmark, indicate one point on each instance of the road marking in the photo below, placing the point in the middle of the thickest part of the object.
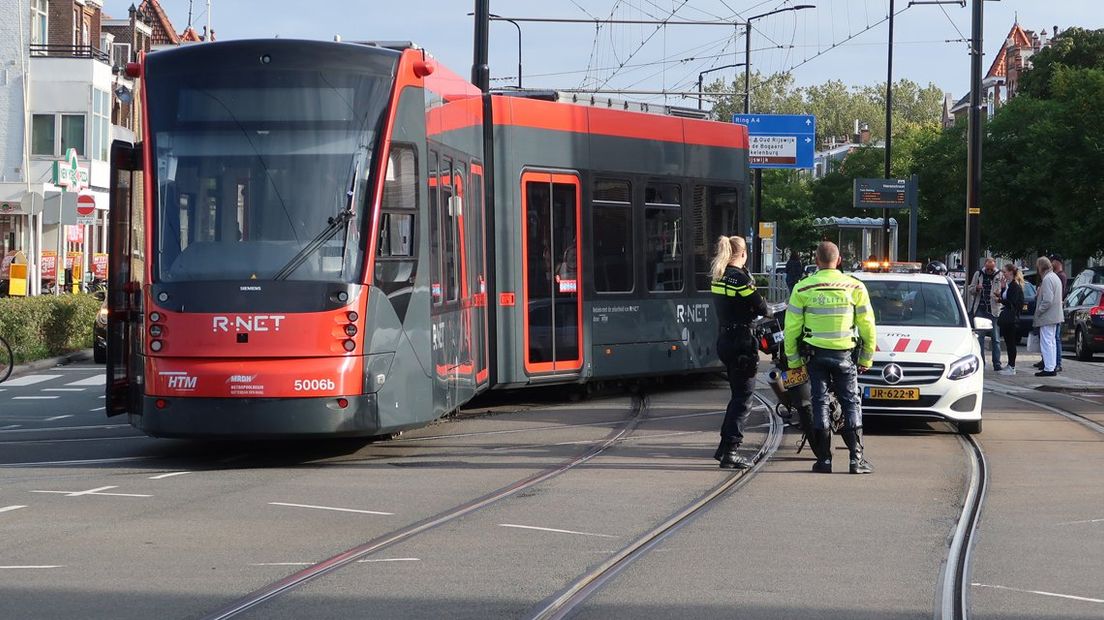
(62, 389)
(28, 380)
(99, 409)
(120, 459)
(365, 512)
(1082, 522)
(170, 475)
(56, 417)
(1042, 593)
(358, 562)
(96, 491)
(90, 381)
(35, 397)
(10, 427)
(11, 508)
(284, 564)
(55, 429)
(548, 529)
(389, 560)
(29, 567)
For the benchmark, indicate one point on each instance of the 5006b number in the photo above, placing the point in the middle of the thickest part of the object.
(314, 385)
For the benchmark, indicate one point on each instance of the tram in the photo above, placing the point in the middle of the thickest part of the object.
(309, 241)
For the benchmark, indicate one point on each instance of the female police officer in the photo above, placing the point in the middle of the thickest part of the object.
(738, 304)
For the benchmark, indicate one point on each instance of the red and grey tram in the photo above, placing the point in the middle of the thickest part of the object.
(308, 241)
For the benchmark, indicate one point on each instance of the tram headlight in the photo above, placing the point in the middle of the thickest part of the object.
(352, 316)
(964, 367)
(155, 316)
(156, 345)
(350, 330)
(349, 345)
(156, 331)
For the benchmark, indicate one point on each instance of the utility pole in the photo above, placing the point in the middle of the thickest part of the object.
(973, 149)
(702, 74)
(889, 135)
(481, 77)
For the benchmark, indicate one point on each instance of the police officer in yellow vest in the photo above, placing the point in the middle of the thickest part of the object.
(824, 311)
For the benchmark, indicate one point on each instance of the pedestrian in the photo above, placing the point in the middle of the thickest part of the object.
(794, 270)
(737, 304)
(1012, 299)
(1060, 271)
(982, 304)
(821, 318)
(1048, 315)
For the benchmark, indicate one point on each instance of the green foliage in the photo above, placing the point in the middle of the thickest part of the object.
(1074, 47)
(39, 327)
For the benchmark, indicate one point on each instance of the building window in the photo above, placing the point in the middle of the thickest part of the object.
(120, 54)
(613, 236)
(39, 22)
(77, 21)
(42, 135)
(101, 111)
(663, 236)
(72, 133)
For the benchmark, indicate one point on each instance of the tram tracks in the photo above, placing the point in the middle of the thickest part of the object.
(567, 600)
(275, 589)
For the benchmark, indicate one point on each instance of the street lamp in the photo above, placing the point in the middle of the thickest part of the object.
(499, 18)
(757, 259)
(702, 73)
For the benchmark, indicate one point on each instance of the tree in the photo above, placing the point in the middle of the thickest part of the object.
(1075, 47)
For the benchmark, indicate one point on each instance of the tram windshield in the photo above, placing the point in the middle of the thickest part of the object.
(261, 161)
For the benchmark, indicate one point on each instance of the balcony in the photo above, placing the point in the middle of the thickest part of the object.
(70, 51)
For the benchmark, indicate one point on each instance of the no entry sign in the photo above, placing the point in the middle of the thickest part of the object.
(86, 210)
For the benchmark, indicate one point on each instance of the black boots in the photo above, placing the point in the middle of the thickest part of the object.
(853, 439)
(728, 456)
(821, 444)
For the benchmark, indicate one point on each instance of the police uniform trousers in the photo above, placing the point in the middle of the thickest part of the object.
(835, 369)
(738, 351)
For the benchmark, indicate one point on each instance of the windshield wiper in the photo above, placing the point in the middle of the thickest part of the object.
(334, 225)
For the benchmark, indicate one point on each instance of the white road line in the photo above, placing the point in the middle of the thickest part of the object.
(55, 429)
(93, 380)
(121, 459)
(1041, 593)
(11, 508)
(548, 529)
(96, 491)
(35, 397)
(1082, 522)
(29, 567)
(389, 560)
(284, 564)
(170, 475)
(62, 389)
(28, 380)
(10, 427)
(98, 409)
(57, 417)
(365, 512)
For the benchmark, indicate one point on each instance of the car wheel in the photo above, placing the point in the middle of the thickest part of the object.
(99, 355)
(972, 427)
(1081, 346)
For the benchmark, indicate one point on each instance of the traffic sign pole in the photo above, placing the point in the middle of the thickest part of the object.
(973, 176)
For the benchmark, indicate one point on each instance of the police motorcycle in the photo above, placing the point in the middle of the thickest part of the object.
(791, 386)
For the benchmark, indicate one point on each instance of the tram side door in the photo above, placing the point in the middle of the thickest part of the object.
(124, 275)
(552, 291)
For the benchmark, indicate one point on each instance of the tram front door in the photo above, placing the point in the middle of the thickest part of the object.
(552, 288)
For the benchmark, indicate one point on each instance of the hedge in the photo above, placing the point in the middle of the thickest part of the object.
(41, 327)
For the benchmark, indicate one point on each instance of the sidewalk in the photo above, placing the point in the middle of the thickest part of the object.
(1075, 376)
(45, 364)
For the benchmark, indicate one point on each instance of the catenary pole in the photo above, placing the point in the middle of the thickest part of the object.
(973, 149)
(481, 77)
(889, 133)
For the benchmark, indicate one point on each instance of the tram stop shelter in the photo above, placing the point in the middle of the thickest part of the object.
(858, 237)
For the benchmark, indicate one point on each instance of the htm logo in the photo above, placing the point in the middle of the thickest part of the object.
(180, 381)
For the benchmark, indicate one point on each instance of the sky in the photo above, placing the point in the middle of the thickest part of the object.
(838, 39)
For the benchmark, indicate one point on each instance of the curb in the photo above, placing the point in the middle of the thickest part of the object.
(69, 358)
(1076, 389)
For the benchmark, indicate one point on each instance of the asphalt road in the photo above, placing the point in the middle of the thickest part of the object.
(99, 521)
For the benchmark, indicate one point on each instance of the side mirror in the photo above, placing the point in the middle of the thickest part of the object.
(982, 324)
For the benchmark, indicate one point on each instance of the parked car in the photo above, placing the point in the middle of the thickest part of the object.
(1084, 323)
(1092, 275)
(99, 335)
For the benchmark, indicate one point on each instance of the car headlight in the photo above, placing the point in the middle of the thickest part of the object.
(964, 367)
(101, 316)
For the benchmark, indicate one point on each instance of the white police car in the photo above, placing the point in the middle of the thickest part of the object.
(928, 362)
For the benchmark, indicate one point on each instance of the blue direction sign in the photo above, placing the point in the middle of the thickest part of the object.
(780, 140)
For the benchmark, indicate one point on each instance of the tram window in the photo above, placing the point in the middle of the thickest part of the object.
(613, 236)
(449, 206)
(663, 237)
(399, 205)
(721, 208)
(434, 232)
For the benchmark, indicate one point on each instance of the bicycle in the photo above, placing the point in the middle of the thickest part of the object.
(7, 360)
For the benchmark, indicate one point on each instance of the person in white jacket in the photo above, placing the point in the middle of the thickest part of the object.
(1048, 315)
